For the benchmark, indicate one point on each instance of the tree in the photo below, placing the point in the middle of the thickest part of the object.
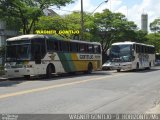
(2, 53)
(67, 22)
(113, 27)
(28, 11)
(154, 39)
(140, 36)
(155, 25)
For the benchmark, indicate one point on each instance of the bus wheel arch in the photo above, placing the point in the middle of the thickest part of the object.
(27, 77)
(118, 70)
(49, 70)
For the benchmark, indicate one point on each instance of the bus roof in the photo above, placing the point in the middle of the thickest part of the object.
(23, 37)
(130, 43)
(32, 36)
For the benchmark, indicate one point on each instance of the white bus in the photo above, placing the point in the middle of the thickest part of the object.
(131, 56)
(28, 55)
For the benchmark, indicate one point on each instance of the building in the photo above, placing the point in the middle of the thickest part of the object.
(49, 12)
(4, 33)
(144, 22)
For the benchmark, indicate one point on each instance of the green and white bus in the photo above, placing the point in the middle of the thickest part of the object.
(29, 55)
(131, 55)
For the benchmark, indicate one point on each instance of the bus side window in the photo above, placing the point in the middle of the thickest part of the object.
(41, 42)
(90, 48)
(82, 48)
(141, 49)
(73, 47)
(56, 46)
(97, 49)
(152, 51)
(52, 45)
(147, 50)
(65, 46)
(137, 48)
(134, 46)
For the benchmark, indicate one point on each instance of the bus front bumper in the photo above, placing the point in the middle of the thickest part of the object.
(18, 72)
(122, 66)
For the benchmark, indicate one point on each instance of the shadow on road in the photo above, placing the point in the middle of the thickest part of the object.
(9, 83)
(15, 81)
(141, 70)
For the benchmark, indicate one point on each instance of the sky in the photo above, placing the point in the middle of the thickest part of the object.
(132, 9)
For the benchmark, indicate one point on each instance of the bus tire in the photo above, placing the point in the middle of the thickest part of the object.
(149, 67)
(90, 68)
(27, 77)
(50, 69)
(137, 67)
(118, 70)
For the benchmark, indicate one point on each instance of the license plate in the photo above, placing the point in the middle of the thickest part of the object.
(116, 64)
(16, 71)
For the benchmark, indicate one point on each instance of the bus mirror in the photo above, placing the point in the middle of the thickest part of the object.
(108, 52)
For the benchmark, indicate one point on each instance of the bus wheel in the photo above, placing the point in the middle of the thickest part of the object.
(90, 68)
(118, 70)
(50, 70)
(149, 66)
(27, 77)
(137, 67)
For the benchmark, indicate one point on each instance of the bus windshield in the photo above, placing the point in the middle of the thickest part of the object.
(18, 52)
(121, 53)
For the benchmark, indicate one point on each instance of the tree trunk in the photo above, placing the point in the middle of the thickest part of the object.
(105, 57)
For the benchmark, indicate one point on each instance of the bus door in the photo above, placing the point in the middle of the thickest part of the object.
(36, 51)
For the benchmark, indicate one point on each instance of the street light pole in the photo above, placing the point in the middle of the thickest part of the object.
(99, 5)
(82, 22)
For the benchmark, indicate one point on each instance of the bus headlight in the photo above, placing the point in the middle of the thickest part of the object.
(7, 65)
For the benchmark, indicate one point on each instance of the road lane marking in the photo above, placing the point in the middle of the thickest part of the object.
(53, 86)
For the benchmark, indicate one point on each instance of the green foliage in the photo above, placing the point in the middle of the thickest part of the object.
(27, 11)
(154, 39)
(2, 51)
(113, 27)
(2, 72)
(105, 27)
(67, 22)
(2, 54)
(140, 36)
(155, 25)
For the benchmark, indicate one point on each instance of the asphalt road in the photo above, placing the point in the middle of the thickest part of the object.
(100, 92)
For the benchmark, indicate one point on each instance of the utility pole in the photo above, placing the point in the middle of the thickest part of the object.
(82, 21)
